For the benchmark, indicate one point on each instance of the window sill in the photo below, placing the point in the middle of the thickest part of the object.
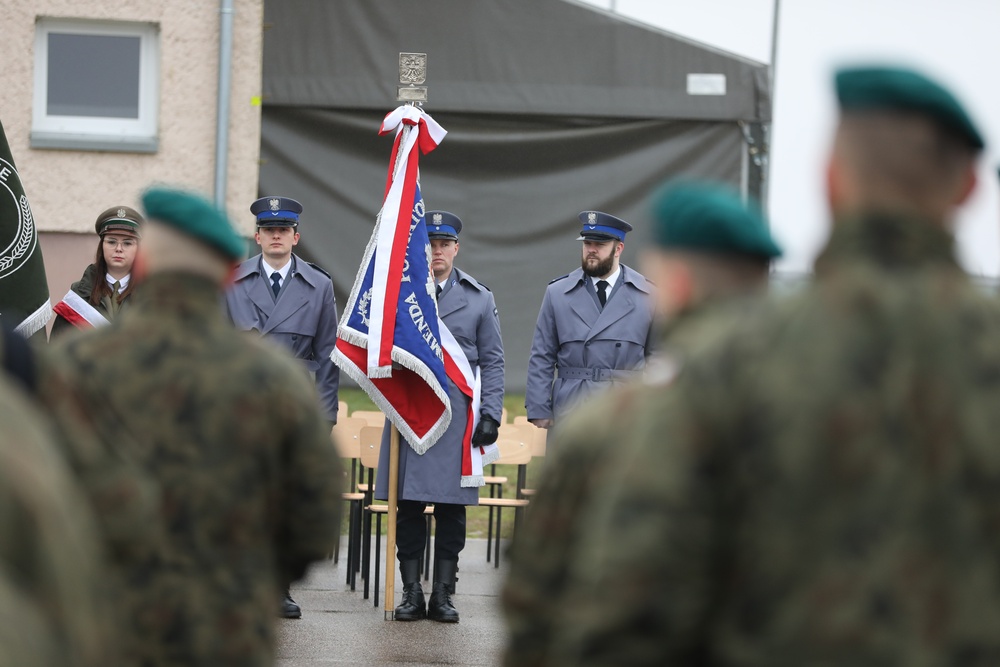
(94, 142)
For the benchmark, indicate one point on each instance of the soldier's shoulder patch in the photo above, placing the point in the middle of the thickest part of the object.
(320, 269)
(558, 279)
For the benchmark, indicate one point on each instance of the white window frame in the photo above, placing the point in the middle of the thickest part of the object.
(94, 133)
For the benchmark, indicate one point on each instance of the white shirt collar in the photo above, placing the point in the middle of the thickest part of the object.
(612, 279)
(283, 271)
(122, 282)
(447, 279)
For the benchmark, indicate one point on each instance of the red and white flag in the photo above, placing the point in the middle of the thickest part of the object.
(78, 312)
(389, 339)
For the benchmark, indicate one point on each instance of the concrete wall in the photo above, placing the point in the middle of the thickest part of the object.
(68, 188)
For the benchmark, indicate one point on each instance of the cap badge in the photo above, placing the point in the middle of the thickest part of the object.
(121, 213)
(275, 204)
(592, 218)
(438, 218)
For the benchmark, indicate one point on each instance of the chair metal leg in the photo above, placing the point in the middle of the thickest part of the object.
(336, 547)
(522, 477)
(352, 544)
(366, 551)
(350, 527)
(496, 544)
(366, 502)
(489, 530)
(366, 540)
(489, 520)
(355, 541)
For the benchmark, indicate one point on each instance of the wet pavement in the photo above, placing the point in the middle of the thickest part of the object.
(339, 627)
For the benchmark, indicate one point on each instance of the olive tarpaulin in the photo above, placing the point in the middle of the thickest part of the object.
(551, 107)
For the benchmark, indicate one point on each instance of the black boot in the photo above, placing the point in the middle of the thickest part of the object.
(440, 608)
(412, 607)
(289, 609)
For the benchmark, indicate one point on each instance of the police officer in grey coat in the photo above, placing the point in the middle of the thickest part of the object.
(469, 311)
(291, 302)
(594, 326)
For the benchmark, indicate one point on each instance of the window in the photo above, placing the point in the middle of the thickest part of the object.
(96, 85)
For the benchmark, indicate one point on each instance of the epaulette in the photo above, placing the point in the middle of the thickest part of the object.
(321, 270)
(474, 282)
(558, 279)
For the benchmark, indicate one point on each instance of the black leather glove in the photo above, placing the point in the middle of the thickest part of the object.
(487, 431)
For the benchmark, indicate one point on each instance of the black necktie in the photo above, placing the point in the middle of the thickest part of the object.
(275, 283)
(439, 291)
(602, 292)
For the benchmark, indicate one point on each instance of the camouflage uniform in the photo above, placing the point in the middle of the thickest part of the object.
(819, 487)
(26, 638)
(555, 526)
(229, 431)
(52, 610)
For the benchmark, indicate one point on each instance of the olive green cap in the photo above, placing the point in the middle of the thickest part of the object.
(901, 89)
(195, 216)
(710, 217)
(119, 219)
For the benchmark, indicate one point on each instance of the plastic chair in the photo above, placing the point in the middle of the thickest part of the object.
(513, 451)
(371, 417)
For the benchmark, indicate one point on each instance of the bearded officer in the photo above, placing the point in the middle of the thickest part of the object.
(594, 327)
(289, 301)
(469, 311)
(709, 258)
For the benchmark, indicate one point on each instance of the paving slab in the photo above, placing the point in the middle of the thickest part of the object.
(339, 627)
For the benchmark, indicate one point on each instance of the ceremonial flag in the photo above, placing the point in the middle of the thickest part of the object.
(24, 292)
(389, 339)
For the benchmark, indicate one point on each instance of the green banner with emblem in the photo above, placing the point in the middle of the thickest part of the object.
(24, 292)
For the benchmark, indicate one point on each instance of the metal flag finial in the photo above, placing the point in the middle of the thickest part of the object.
(412, 73)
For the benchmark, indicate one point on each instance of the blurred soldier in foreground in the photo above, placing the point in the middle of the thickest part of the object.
(229, 431)
(712, 254)
(52, 610)
(820, 486)
(594, 325)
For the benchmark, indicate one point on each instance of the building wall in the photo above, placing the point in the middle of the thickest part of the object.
(68, 188)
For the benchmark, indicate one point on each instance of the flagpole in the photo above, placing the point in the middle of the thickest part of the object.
(412, 71)
(390, 537)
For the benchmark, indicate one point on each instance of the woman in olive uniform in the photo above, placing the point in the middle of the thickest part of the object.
(105, 287)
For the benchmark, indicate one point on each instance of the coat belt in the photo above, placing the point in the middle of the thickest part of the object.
(596, 374)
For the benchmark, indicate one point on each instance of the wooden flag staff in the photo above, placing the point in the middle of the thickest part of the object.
(412, 73)
(390, 536)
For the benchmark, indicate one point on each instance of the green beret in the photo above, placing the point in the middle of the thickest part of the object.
(195, 216)
(710, 217)
(867, 88)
